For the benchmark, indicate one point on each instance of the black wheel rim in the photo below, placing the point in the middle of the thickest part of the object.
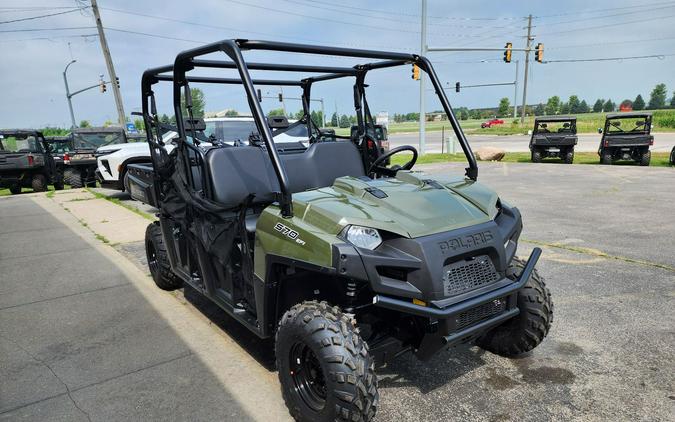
(152, 257)
(308, 377)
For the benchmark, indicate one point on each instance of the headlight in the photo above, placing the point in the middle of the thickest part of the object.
(362, 237)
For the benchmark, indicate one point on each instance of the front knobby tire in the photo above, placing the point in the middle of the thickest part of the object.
(325, 370)
(73, 178)
(569, 157)
(39, 183)
(158, 259)
(536, 156)
(529, 328)
(645, 158)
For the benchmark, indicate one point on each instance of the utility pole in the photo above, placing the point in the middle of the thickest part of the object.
(423, 52)
(515, 93)
(68, 96)
(109, 63)
(527, 62)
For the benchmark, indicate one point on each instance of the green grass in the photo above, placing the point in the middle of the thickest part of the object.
(664, 121)
(122, 204)
(6, 192)
(659, 159)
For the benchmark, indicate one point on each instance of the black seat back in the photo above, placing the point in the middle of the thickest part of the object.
(236, 172)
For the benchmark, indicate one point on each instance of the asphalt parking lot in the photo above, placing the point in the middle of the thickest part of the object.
(98, 342)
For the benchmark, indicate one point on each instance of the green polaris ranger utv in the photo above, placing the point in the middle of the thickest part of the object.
(626, 136)
(346, 262)
(27, 161)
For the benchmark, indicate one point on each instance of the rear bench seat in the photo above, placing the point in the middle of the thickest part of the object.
(239, 171)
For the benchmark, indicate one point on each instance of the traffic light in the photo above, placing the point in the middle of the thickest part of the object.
(456, 86)
(507, 52)
(416, 72)
(281, 97)
(102, 86)
(539, 53)
(259, 95)
(117, 81)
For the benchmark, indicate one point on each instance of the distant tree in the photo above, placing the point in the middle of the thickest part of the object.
(639, 103)
(231, 113)
(140, 125)
(573, 104)
(198, 103)
(552, 105)
(352, 120)
(85, 123)
(657, 99)
(462, 112)
(672, 101)
(344, 121)
(504, 106)
(334, 120)
(276, 112)
(608, 106)
(107, 123)
(164, 119)
(597, 107)
(539, 110)
(583, 107)
(412, 117)
(565, 108)
(316, 117)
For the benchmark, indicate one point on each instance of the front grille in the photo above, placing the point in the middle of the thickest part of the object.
(479, 313)
(466, 275)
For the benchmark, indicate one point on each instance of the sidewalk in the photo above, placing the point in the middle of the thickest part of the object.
(85, 334)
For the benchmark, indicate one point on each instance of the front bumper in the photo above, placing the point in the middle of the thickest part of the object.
(449, 321)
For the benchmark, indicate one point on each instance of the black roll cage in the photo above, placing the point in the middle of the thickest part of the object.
(188, 60)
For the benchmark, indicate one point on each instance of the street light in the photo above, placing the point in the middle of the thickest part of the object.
(70, 104)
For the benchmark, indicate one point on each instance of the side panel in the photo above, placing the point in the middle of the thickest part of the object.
(291, 238)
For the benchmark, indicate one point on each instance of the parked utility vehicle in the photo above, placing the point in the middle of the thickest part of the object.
(345, 261)
(672, 157)
(26, 161)
(626, 136)
(80, 164)
(554, 136)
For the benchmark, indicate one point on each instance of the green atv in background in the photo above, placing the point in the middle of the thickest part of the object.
(626, 136)
(80, 162)
(554, 136)
(346, 262)
(26, 160)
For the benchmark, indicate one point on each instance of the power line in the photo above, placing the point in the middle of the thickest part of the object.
(606, 59)
(360, 25)
(607, 25)
(41, 16)
(51, 38)
(47, 29)
(632, 12)
(587, 11)
(610, 43)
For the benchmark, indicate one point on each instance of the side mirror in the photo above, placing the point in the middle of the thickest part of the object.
(599, 130)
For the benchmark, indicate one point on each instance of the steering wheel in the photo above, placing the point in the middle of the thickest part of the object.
(379, 169)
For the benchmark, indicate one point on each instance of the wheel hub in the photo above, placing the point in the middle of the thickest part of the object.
(307, 374)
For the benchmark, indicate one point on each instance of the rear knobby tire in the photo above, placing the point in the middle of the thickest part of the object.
(569, 156)
(39, 183)
(73, 178)
(672, 157)
(536, 155)
(158, 259)
(645, 158)
(15, 189)
(325, 370)
(529, 328)
(606, 158)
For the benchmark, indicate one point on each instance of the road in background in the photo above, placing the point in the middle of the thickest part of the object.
(663, 141)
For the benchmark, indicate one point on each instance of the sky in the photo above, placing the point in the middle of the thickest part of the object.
(34, 52)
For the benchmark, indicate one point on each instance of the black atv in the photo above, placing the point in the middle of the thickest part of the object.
(26, 161)
(554, 136)
(80, 162)
(671, 160)
(346, 262)
(626, 136)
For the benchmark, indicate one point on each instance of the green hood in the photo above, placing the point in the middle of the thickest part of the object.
(415, 205)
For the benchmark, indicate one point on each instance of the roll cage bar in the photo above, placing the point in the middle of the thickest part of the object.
(188, 60)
